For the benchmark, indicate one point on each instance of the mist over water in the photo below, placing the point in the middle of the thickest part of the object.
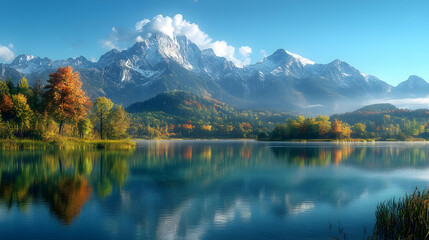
(205, 190)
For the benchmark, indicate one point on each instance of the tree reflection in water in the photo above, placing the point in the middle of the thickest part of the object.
(66, 196)
(178, 187)
(63, 180)
(387, 156)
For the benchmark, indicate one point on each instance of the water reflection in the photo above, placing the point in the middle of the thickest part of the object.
(382, 156)
(212, 189)
(63, 180)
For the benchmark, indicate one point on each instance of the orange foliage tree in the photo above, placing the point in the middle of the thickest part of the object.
(336, 127)
(6, 106)
(64, 96)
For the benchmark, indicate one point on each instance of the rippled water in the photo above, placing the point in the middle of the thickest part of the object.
(205, 190)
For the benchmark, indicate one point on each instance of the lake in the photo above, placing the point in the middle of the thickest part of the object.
(206, 190)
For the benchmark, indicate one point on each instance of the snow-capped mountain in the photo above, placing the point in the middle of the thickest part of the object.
(282, 62)
(28, 64)
(283, 80)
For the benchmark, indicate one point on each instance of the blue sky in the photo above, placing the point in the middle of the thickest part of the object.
(388, 39)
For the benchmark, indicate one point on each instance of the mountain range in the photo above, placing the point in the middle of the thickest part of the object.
(281, 81)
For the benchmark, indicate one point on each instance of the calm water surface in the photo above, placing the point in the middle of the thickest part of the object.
(205, 190)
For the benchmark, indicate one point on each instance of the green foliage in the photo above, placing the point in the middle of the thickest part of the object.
(37, 113)
(21, 111)
(10, 86)
(101, 110)
(23, 88)
(36, 99)
(84, 128)
(4, 89)
(179, 114)
(398, 124)
(405, 218)
(118, 123)
(310, 128)
(6, 130)
(359, 130)
(380, 107)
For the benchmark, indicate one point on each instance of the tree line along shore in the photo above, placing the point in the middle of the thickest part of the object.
(59, 115)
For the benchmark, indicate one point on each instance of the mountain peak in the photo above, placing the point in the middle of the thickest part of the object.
(337, 62)
(416, 78)
(413, 81)
(22, 58)
(282, 56)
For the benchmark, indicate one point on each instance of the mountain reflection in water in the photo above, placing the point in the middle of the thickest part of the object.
(207, 189)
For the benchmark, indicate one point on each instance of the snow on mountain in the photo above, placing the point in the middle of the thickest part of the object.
(282, 62)
(27, 64)
(160, 63)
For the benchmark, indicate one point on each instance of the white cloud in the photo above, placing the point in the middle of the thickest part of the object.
(108, 44)
(245, 51)
(140, 24)
(5, 53)
(264, 53)
(173, 27)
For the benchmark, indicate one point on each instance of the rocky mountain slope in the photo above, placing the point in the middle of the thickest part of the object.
(283, 80)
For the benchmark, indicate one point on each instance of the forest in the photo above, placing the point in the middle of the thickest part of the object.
(376, 122)
(58, 109)
(61, 108)
(179, 114)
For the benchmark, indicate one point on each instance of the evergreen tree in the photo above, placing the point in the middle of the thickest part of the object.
(11, 86)
(36, 100)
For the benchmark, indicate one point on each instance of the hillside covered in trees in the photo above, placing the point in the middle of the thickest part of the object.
(61, 108)
(377, 122)
(178, 114)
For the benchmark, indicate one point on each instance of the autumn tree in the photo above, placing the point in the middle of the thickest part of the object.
(64, 97)
(6, 106)
(101, 109)
(336, 127)
(324, 125)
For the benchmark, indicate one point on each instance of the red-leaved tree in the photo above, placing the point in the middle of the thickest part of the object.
(64, 96)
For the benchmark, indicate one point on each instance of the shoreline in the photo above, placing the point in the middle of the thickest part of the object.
(66, 144)
(128, 144)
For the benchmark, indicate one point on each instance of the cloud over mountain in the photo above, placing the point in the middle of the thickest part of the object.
(6, 54)
(173, 27)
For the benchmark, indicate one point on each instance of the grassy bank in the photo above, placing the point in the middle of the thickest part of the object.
(66, 143)
(405, 218)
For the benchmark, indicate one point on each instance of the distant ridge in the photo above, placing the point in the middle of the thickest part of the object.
(379, 107)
